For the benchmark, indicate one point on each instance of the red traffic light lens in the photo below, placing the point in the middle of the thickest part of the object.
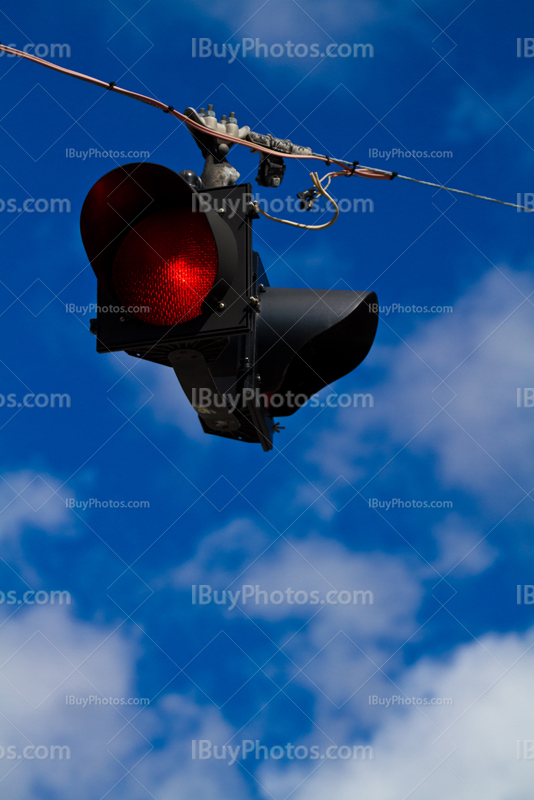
(167, 265)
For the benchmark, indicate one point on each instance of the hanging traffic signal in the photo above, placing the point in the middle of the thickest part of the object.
(179, 284)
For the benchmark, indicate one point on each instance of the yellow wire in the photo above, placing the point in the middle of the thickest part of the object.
(317, 183)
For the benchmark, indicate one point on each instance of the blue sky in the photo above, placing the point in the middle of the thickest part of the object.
(313, 514)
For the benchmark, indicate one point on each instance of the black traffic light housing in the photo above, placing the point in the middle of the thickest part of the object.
(128, 195)
(214, 352)
(249, 344)
(308, 338)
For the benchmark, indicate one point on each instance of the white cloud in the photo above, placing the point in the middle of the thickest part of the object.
(153, 387)
(491, 710)
(29, 499)
(222, 555)
(279, 20)
(342, 640)
(172, 772)
(345, 655)
(482, 352)
(471, 116)
(343, 646)
(241, 554)
(325, 565)
(477, 114)
(46, 655)
(462, 549)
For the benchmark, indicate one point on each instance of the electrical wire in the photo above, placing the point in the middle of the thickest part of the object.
(112, 86)
(468, 194)
(349, 168)
(391, 175)
(322, 191)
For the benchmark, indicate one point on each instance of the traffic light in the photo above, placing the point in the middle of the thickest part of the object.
(179, 284)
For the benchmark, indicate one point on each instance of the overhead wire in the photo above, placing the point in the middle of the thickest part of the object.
(112, 86)
(349, 168)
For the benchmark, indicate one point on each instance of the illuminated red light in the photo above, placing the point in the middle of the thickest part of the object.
(167, 264)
